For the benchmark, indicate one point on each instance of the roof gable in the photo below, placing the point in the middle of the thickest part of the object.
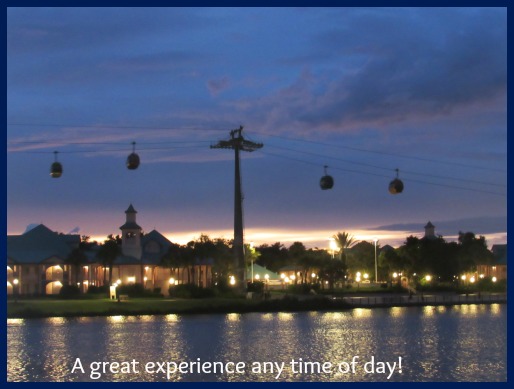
(39, 244)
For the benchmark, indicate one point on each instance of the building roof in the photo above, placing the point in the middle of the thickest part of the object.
(127, 260)
(130, 209)
(154, 257)
(130, 226)
(261, 271)
(155, 236)
(40, 244)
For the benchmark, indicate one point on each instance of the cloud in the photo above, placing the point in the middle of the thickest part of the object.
(398, 67)
(216, 86)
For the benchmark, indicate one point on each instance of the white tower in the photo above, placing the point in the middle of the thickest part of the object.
(131, 235)
(430, 231)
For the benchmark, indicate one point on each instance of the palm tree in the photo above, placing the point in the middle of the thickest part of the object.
(108, 253)
(344, 241)
(77, 258)
(171, 259)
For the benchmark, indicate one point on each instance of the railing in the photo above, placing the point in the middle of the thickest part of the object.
(426, 299)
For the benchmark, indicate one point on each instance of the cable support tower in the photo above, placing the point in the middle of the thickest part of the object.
(238, 143)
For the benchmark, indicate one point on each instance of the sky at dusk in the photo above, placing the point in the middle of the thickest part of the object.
(364, 91)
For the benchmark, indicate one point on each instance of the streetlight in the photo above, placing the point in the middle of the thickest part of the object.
(376, 267)
(333, 246)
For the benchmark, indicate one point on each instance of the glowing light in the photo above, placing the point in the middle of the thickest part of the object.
(266, 276)
(494, 279)
(428, 278)
(172, 281)
(313, 275)
(472, 279)
(292, 277)
(463, 277)
(366, 276)
(282, 276)
(481, 276)
(131, 279)
(395, 275)
(257, 277)
(118, 281)
(15, 281)
(358, 274)
(232, 280)
(146, 268)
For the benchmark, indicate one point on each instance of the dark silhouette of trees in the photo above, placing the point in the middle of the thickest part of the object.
(108, 252)
(435, 256)
(297, 252)
(77, 258)
(361, 257)
(344, 241)
(273, 256)
(472, 251)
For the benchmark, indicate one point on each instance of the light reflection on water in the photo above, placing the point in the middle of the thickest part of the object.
(458, 343)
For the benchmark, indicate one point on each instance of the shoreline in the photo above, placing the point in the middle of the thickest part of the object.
(37, 308)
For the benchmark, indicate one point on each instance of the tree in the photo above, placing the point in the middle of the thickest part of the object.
(273, 257)
(296, 253)
(77, 258)
(361, 257)
(392, 262)
(251, 256)
(331, 270)
(108, 252)
(472, 251)
(172, 258)
(344, 241)
(223, 261)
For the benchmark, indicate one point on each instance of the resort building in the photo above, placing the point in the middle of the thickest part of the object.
(498, 268)
(39, 263)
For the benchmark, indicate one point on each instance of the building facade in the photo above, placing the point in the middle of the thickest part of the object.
(38, 262)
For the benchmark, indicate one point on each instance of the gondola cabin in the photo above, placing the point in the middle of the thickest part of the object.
(396, 186)
(133, 161)
(326, 182)
(56, 170)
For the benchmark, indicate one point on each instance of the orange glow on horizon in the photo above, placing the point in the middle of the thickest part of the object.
(310, 238)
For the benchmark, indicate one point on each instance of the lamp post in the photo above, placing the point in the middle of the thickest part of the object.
(333, 246)
(376, 267)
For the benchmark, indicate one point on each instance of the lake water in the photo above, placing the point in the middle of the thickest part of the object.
(459, 343)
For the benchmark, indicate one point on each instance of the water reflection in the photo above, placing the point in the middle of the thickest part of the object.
(461, 343)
